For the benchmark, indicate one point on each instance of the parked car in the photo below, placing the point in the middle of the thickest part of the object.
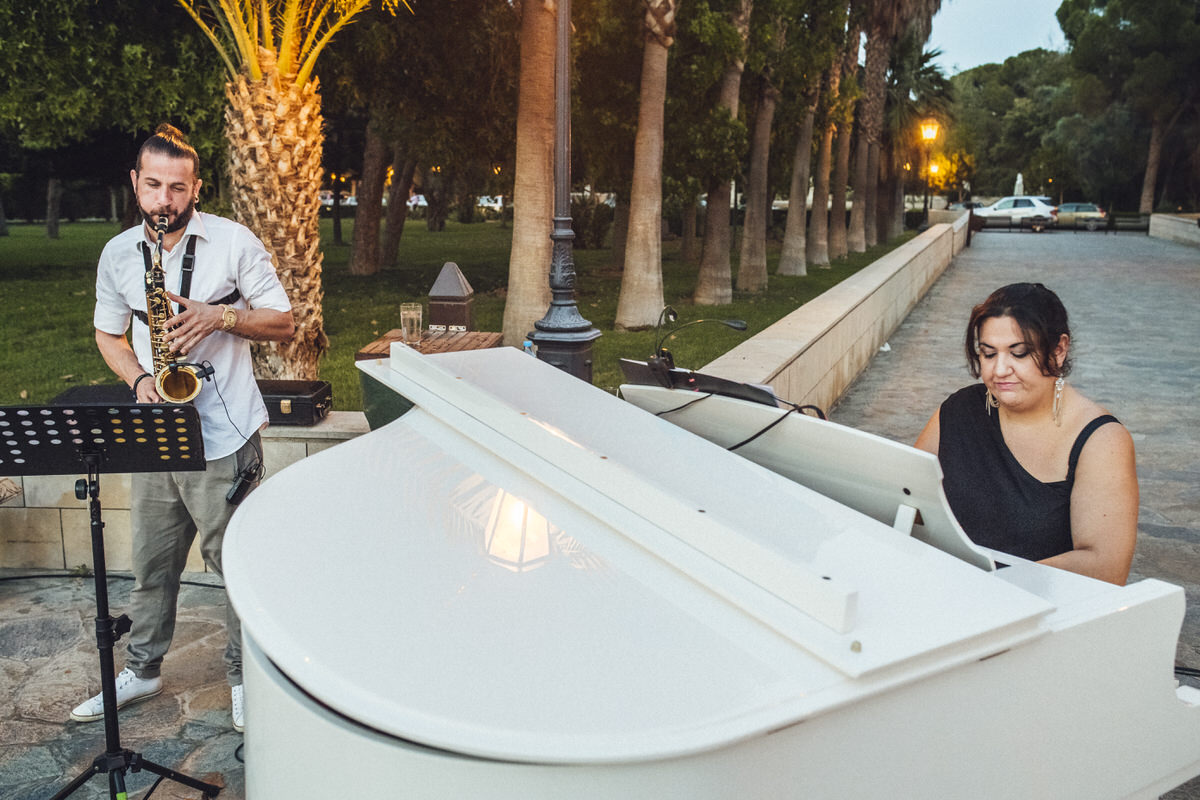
(1081, 215)
(1037, 212)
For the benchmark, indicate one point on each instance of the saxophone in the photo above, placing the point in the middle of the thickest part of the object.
(175, 381)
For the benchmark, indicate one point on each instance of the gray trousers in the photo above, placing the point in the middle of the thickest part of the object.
(169, 509)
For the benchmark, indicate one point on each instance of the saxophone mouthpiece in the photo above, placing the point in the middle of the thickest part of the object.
(161, 226)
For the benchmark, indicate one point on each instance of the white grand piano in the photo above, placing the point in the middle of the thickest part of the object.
(526, 587)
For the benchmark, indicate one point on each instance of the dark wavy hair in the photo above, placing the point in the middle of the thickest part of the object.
(1039, 314)
(169, 141)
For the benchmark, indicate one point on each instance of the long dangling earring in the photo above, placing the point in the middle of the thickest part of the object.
(1056, 409)
(990, 401)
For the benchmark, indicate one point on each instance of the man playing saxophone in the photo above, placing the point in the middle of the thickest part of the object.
(221, 279)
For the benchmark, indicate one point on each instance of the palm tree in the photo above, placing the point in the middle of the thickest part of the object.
(887, 20)
(641, 298)
(273, 124)
(533, 179)
(714, 286)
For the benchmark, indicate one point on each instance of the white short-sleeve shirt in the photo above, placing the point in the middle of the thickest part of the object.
(228, 257)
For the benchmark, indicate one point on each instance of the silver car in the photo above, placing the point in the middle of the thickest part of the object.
(1036, 212)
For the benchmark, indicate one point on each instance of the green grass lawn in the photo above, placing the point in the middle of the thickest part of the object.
(47, 294)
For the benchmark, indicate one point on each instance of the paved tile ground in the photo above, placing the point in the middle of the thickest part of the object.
(1135, 306)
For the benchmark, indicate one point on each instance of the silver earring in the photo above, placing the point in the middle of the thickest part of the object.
(1056, 409)
(990, 401)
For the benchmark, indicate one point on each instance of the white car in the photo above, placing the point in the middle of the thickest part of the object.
(1037, 212)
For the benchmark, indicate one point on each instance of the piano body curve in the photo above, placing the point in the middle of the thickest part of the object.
(526, 587)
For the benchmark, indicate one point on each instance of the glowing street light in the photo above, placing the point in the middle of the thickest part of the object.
(929, 132)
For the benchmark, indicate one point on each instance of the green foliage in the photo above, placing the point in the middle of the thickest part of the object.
(591, 220)
(71, 68)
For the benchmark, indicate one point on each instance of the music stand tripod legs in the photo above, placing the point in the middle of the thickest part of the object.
(115, 761)
(109, 437)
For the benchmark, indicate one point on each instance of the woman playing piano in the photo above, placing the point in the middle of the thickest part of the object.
(1032, 467)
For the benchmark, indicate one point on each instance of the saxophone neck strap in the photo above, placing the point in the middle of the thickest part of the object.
(185, 280)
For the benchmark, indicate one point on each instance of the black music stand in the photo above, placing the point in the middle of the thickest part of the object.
(114, 438)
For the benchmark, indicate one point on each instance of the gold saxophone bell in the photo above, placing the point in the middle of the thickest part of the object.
(177, 383)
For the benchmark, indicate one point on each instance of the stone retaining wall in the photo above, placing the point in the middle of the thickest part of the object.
(813, 355)
(1182, 228)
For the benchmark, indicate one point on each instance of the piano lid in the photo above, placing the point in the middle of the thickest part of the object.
(526, 567)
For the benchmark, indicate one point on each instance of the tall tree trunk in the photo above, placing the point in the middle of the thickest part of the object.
(687, 236)
(792, 260)
(364, 252)
(641, 298)
(403, 170)
(533, 185)
(1153, 157)
(838, 246)
(870, 118)
(53, 204)
(714, 286)
(818, 223)
(275, 139)
(752, 265)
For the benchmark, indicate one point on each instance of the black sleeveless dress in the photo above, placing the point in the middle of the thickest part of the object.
(996, 501)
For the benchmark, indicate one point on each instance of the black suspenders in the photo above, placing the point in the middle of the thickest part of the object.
(185, 281)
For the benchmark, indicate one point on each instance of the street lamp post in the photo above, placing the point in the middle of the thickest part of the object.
(563, 337)
(929, 132)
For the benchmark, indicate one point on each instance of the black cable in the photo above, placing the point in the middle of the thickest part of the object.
(778, 420)
(238, 753)
(1187, 672)
(682, 407)
(258, 470)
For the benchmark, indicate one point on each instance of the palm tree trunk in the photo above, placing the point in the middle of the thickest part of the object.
(871, 209)
(687, 236)
(870, 119)
(403, 170)
(818, 223)
(1153, 157)
(364, 252)
(752, 265)
(533, 185)
(275, 140)
(714, 286)
(838, 245)
(792, 260)
(641, 297)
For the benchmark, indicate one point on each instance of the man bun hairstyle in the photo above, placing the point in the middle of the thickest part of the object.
(169, 141)
(1039, 314)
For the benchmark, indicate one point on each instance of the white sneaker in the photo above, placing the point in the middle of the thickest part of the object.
(238, 695)
(130, 689)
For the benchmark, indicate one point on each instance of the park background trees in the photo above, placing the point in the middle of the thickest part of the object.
(675, 104)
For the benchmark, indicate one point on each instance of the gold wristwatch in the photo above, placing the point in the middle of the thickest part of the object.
(228, 318)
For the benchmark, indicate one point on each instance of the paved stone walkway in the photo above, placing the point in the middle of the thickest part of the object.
(1135, 306)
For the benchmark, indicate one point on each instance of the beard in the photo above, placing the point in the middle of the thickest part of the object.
(180, 222)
